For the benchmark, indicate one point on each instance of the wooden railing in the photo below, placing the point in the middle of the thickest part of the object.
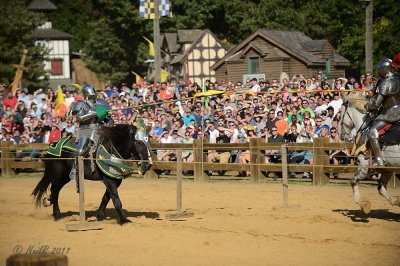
(320, 166)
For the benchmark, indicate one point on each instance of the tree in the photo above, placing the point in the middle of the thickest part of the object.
(16, 33)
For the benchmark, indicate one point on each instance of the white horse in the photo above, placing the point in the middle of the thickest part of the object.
(353, 115)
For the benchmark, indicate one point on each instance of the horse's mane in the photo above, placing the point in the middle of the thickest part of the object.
(117, 134)
(358, 102)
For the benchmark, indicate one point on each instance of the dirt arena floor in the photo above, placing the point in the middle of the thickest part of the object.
(234, 224)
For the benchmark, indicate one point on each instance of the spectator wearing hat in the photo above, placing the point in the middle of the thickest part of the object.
(55, 133)
(324, 132)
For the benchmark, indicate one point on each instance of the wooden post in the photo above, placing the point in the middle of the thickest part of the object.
(284, 174)
(180, 214)
(83, 225)
(254, 155)
(157, 44)
(320, 159)
(151, 174)
(284, 149)
(369, 36)
(6, 159)
(198, 158)
(179, 181)
(37, 260)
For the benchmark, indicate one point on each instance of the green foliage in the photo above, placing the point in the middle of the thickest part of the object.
(110, 31)
(16, 33)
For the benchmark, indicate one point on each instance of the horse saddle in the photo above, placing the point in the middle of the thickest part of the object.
(388, 136)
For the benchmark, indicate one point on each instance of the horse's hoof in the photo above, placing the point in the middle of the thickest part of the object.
(126, 222)
(46, 202)
(58, 218)
(100, 217)
(365, 206)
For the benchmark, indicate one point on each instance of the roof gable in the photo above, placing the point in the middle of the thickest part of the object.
(171, 40)
(188, 36)
(204, 33)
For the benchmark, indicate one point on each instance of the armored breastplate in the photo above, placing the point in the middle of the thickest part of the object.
(390, 88)
(85, 108)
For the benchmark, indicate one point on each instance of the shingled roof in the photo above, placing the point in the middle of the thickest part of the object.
(188, 36)
(295, 43)
(41, 5)
(53, 34)
(172, 42)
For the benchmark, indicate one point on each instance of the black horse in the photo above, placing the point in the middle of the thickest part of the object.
(121, 139)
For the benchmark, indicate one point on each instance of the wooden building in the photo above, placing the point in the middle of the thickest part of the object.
(58, 64)
(189, 54)
(272, 52)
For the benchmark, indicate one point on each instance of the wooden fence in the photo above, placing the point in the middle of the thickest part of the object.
(321, 168)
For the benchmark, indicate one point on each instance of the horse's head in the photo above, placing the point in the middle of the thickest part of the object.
(141, 150)
(352, 114)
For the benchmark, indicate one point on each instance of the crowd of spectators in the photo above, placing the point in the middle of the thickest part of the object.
(289, 110)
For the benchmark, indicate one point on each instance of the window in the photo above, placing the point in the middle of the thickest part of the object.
(254, 65)
(57, 67)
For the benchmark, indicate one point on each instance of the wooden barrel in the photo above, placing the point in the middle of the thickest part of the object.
(37, 260)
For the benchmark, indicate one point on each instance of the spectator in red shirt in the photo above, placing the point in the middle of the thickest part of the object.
(11, 100)
(55, 133)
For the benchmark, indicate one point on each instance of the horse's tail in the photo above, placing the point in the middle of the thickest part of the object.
(41, 187)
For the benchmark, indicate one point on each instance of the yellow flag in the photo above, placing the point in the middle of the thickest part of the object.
(60, 108)
(151, 46)
(139, 79)
(164, 75)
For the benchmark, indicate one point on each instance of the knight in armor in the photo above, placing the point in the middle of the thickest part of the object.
(385, 104)
(90, 113)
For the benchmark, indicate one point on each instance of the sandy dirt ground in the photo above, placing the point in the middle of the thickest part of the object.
(233, 224)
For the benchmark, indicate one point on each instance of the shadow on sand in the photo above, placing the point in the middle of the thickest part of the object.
(112, 214)
(361, 217)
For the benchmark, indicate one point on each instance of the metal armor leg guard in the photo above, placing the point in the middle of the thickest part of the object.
(373, 136)
(74, 170)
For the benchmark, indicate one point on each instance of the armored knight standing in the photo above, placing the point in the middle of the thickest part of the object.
(89, 122)
(386, 102)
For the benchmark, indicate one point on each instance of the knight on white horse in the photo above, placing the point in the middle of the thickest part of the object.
(386, 103)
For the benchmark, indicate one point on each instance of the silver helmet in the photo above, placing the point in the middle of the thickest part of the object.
(89, 93)
(384, 67)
